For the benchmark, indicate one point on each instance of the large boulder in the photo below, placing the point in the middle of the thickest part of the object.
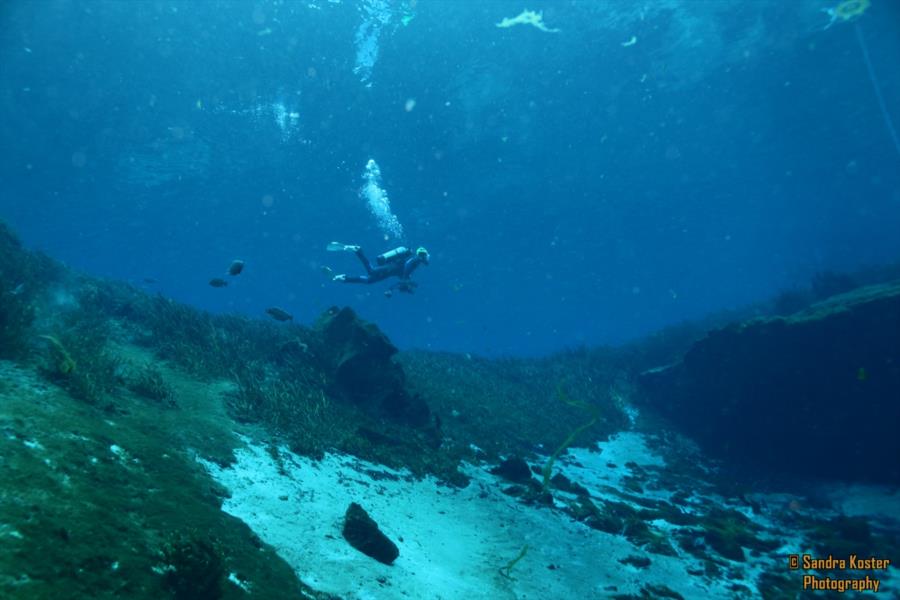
(816, 393)
(359, 358)
(363, 533)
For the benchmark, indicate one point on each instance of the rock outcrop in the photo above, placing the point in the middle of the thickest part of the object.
(816, 393)
(359, 358)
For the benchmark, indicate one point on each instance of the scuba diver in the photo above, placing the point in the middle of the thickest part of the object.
(399, 262)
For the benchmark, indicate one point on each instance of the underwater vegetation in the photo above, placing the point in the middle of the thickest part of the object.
(193, 567)
(295, 407)
(595, 415)
(24, 278)
(506, 570)
(61, 357)
(78, 359)
(114, 392)
(148, 382)
(492, 403)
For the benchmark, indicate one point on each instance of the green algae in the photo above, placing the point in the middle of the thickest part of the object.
(194, 567)
(24, 279)
(93, 501)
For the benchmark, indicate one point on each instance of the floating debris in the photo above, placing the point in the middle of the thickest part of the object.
(279, 314)
(217, 282)
(527, 17)
(847, 10)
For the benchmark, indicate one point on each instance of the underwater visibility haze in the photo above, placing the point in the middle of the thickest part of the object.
(449, 299)
(645, 164)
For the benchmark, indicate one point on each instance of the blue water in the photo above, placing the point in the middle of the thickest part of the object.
(571, 188)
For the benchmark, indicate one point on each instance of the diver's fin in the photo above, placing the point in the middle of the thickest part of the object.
(339, 247)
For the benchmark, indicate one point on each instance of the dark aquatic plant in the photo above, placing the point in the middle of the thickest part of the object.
(501, 406)
(78, 359)
(148, 382)
(213, 346)
(292, 404)
(193, 567)
(24, 276)
(16, 316)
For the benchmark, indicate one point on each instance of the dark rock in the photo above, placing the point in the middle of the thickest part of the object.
(724, 544)
(517, 491)
(359, 358)
(513, 469)
(563, 483)
(782, 394)
(543, 498)
(363, 533)
(641, 562)
(842, 536)
(660, 591)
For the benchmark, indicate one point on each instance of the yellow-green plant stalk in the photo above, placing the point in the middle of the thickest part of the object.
(506, 570)
(64, 363)
(548, 467)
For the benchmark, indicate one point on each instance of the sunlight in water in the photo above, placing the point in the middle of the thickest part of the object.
(376, 15)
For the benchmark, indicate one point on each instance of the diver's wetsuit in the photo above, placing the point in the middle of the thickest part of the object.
(401, 269)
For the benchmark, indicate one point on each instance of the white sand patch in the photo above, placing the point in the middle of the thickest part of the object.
(878, 502)
(592, 469)
(452, 542)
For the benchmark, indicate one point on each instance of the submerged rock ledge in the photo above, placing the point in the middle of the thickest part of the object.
(814, 394)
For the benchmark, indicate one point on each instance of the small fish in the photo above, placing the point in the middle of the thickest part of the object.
(17, 290)
(862, 375)
(150, 280)
(279, 314)
(236, 267)
(217, 282)
(631, 42)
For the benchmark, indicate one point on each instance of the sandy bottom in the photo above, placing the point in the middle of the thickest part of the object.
(453, 542)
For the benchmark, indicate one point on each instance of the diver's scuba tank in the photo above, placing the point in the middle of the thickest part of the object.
(398, 253)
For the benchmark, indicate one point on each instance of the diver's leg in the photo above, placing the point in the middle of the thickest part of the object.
(365, 261)
(355, 279)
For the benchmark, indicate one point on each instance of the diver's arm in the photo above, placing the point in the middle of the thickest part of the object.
(409, 266)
